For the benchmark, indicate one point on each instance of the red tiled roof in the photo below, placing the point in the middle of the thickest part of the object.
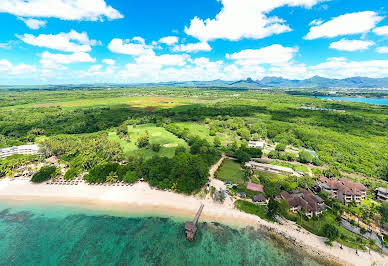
(255, 187)
(303, 199)
(345, 185)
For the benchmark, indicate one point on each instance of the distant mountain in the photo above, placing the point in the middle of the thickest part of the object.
(315, 82)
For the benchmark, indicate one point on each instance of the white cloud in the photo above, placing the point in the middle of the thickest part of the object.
(193, 47)
(33, 24)
(275, 54)
(8, 45)
(381, 30)
(56, 61)
(139, 39)
(316, 22)
(169, 40)
(109, 61)
(9, 68)
(95, 68)
(91, 10)
(352, 23)
(382, 50)
(244, 19)
(351, 45)
(135, 47)
(66, 42)
(339, 67)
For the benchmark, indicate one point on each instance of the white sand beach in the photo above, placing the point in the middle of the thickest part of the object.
(141, 198)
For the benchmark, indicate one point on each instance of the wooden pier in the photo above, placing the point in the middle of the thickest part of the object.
(191, 227)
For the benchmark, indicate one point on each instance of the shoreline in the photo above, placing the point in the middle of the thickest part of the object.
(142, 200)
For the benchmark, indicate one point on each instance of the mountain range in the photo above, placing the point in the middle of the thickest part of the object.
(315, 82)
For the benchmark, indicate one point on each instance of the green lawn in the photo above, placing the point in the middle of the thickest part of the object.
(158, 135)
(295, 167)
(230, 171)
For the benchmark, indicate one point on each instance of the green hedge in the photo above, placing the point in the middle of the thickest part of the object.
(44, 174)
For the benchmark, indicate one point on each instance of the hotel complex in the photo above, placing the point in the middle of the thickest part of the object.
(24, 149)
(343, 189)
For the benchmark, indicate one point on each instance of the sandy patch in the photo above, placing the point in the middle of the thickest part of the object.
(171, 145)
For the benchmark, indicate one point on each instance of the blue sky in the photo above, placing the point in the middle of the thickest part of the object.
(115, 41)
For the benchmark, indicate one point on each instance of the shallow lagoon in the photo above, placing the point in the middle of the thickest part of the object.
(379, 101)
(57, 235)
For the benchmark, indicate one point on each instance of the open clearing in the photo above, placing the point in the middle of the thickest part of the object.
(230, 171)
(158, 135)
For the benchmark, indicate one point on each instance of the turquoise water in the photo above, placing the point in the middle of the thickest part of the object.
(380, 101)
(42, 235)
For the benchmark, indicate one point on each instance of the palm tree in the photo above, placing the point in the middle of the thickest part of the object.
(112, 177)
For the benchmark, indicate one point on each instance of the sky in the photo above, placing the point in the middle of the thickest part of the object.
(136, 41)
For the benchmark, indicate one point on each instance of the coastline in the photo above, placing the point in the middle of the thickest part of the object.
(142, 200)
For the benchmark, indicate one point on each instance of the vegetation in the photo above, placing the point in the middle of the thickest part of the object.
(44, 174)
(230, 171)
(384, 212)
(330, 232)
(9, 165)
(158, 137)
(251, 208)
(341, 140)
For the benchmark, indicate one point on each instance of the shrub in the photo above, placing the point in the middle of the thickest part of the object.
(242, 156)
(290, 156)
(281, 147)
(330, 173)
(131, 177)
(71, 173)
(143, 141)
(273, 154)
(305, 157)
(316, 161)
(99, 173)
(155, 147)
(330, 232)
(180, 149)
(44, 174)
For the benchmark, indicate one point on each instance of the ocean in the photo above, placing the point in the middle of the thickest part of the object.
(379, 101)
(59, 235)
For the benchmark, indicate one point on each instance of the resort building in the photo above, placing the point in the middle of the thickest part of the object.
(256, 144)
(304, 201)
(382, 193)
(269, 167)
(343, 189)
(24, 149)
(259, 199)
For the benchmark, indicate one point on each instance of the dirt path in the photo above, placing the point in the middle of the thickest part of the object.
(214, 168)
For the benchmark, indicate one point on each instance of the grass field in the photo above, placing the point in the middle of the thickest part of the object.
(295, 167)
(230, 171)
(158, 135)
(145, 102)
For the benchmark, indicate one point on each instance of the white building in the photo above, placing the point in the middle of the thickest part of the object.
(270, 167)
(256, 144)
(24, 149)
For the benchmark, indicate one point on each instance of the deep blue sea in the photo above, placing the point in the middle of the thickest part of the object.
(380, 101)
(57, 235)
